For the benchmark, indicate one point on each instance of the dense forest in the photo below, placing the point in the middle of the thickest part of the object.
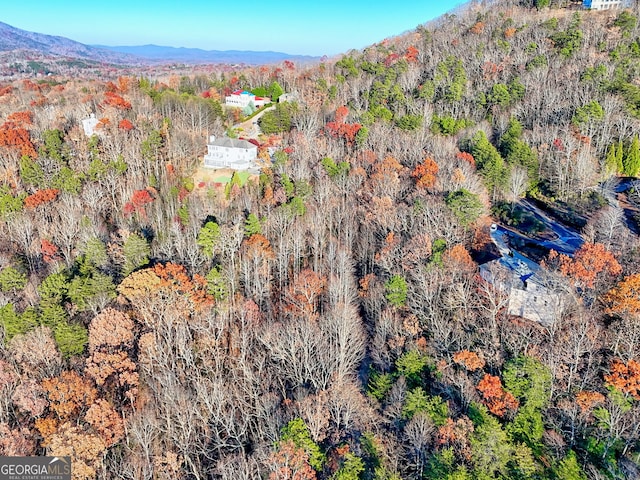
(326, 318)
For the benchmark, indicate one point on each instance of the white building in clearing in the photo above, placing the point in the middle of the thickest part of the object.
(230, 153)
(89, 125)
(603, 4)
(288, 97)
(242, 98)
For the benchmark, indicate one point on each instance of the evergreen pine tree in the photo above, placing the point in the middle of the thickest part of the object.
(490, 163)
(611, 160)
(12, 280)
(252, 225)
(208, 237)
(631, 160)
(136, 253)
(619, 156)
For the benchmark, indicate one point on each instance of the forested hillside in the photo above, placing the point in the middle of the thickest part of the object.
(327, 319)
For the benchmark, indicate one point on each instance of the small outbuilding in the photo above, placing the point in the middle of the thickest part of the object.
(89, 125)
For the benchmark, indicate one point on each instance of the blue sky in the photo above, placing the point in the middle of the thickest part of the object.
(303, 27)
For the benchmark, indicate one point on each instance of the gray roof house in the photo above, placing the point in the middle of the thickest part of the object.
(529, 298)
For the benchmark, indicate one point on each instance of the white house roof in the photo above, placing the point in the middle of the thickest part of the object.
(232, 143)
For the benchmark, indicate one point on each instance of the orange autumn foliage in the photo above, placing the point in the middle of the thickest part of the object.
(388, 168)
(338, 128)
(104, 122)
(477, 28)
(39, 101)
(425, 173)
(125, 125)
(587, 400)
(104, 365)
(111, 337)
(111, 329)
(467, 157)
(49, 251)
(30, 86)
(17, 137)
(68, 393)
(47, 427)
(257, 245)
(625, 378)
(458, 176)
(86, 449)
(114, 100)
(590, 262)
(456, 434)
(166, 285)
(20, 119)
(391, 243)
(411, 55)
(624, 297)
(140, 284)
(111, 87)
(168, 278)
(41, 197)
(124, 83)
(458, 259)
(469, 360)
(366, 282)
(495, 398)
(106, 421)
(175, 277)
(302, 295)
(290, 462)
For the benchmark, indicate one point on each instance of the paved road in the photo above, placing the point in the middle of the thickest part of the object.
(618, 197)
(567, 241)
(250, 128)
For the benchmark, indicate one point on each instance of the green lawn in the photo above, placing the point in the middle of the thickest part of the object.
(244, 176)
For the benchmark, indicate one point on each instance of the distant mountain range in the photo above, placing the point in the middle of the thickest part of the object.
(12, 39)
(196, 55)
(15, 39)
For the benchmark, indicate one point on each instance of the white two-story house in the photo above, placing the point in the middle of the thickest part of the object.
(230, 153)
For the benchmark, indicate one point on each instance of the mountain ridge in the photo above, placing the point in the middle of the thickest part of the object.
(14, 39)
(199, 55)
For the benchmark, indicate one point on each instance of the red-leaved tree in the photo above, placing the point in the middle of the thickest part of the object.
(338, 128)
(495, 398)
